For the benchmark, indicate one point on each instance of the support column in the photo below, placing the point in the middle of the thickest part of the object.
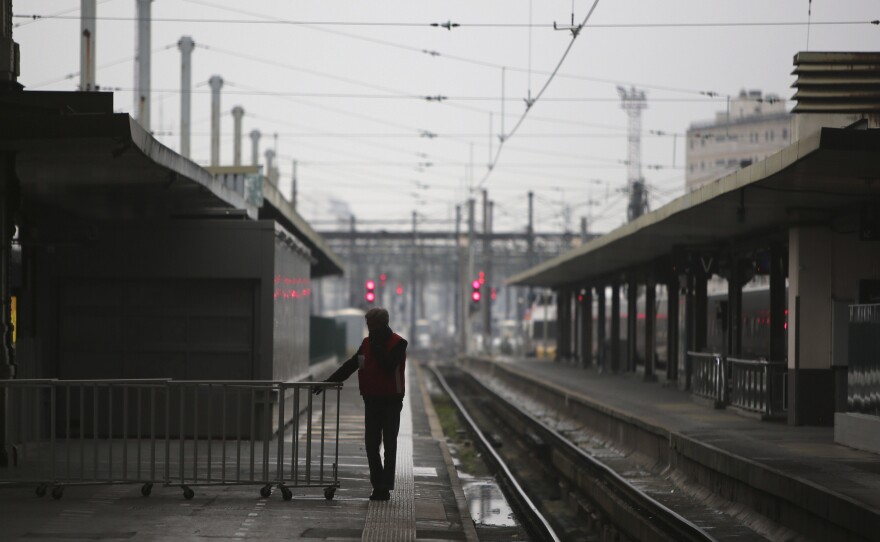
(587, 328)
(734, 309)
(814, 281)
(615, 326)
(632, 292)
(601, 361)
(560, 324)
(778, 255)
(701, 311)
(690, 330)
(650, 327)
(577, 303)
(672, 329)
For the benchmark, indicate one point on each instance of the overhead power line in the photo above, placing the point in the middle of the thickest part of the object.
(417, 97)
(449, 25)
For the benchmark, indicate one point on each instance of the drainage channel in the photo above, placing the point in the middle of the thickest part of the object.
(557, 490)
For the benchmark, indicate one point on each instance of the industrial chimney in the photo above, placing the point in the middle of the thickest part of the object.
(142, 65)
(186, 46)
(270, 166)
(216, 83)
(88, 36)
(237, 113)
(293, 186)
(255, 147)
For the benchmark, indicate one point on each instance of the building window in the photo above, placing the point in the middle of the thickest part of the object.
(702, 165)
(785, 133)
(772, 135)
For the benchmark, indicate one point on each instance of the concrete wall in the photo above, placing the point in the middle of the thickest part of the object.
(219, 258)
(824, 266)
(291, 299)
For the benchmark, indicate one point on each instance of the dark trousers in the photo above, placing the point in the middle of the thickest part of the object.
(381, 424)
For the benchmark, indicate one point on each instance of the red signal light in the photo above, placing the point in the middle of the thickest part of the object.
(399, 290)
(475, 290)
(370, 296)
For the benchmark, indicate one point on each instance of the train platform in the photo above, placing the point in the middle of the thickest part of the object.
(801, 464)
(428, 503)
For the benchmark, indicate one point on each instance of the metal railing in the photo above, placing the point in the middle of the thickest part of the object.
(709, 377)
(172, 433)
(758, 385)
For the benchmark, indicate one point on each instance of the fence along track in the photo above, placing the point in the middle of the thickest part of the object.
(172, 433)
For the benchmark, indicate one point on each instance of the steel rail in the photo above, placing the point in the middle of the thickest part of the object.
(537, 523)
(675, 525)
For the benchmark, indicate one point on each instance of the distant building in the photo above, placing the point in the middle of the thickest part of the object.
(755, 127)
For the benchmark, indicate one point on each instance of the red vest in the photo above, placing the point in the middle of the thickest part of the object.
(372, 379)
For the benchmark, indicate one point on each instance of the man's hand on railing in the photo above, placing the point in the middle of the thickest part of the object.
(317, 390)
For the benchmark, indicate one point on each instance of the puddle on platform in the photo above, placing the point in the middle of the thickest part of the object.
(487, 504)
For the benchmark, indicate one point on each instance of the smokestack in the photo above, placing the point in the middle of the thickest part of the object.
(237, 113)
(88, 35)
(142, 65)
(255, 147)
(270, 158)
(216, 83)
(9, 54)
(186, 46)
(293, 186)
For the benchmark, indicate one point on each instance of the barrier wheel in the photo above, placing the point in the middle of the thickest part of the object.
(41, 490)
(286, 493)
(146, 489)
(188, 493)
(57, 492)
(329, 493)
(266, 491)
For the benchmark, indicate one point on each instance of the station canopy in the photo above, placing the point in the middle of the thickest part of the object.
(828, 177)
(75, 155)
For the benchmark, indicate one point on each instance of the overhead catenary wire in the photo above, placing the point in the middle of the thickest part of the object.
(531, 101)
(437, 54)
(357, 82)
(449, 24)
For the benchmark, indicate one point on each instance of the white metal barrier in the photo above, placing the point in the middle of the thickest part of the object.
(173, 433)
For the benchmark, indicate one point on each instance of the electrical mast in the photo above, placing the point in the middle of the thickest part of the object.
(633, 102)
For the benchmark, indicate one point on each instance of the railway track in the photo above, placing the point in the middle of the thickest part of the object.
(559, 492)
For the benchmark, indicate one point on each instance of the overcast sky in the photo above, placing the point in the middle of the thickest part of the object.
(347, 100)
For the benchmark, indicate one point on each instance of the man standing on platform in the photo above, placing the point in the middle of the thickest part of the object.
(380, 362)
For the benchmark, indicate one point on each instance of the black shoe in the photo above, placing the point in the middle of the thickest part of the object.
(380, 495)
